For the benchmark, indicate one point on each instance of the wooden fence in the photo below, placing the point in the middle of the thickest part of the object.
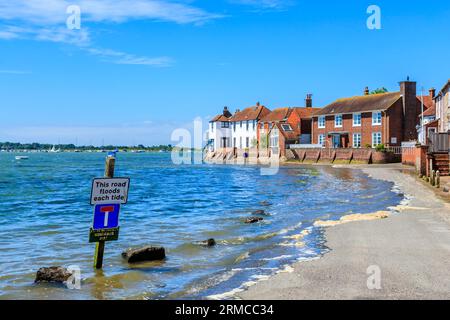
(439, 142)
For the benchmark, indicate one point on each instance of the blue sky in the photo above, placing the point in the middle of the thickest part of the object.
(138, 69)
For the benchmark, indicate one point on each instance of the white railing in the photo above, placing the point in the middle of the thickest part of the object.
(395, 150)
(305, 146)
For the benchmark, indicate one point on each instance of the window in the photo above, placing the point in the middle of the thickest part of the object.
(247, 126)
(322, 122)
(254, 124)
(376, 139)
(212, 126)
(240, 143)
(338, 120)
(240, 124)
(357, 140)
(273, 141)
(376, 118)
(234, 142)
(270, 126)
(321, 139)
(261, 126)
(247, 142)
(234, 126)
(225, 124)
(286, 127)
(357, 119)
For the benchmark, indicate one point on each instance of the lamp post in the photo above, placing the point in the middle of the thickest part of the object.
(422, 120)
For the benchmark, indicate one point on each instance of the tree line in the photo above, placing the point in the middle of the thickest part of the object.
(72, 147)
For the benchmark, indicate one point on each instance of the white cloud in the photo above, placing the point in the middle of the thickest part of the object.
(119, 57)
(44, 12)
(265, 4)
(45, 20)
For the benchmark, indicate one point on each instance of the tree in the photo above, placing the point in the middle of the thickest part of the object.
(264, 141)
(379, 90)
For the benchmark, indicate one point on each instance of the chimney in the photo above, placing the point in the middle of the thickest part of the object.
(258, 104)
(237, 111)
(308, 100)
(366, 91)
(411, 109)
(226, 112)
(432, 93)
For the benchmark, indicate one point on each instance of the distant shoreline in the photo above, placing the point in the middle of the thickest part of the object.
(57, 148)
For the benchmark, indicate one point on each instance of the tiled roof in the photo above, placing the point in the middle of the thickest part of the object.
(252, 113)
(220, 117)
(372, 102)
(427, 101)
(305, 113)
(430, 111)
(282, 114)
(276, 115)
(289, 135)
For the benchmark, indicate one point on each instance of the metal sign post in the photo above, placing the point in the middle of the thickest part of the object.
(107, 195)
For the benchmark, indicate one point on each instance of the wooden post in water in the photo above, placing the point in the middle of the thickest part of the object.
(433, 178)
(100, 246)
(438, 179)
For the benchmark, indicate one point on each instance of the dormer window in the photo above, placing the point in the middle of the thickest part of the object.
(286, 127)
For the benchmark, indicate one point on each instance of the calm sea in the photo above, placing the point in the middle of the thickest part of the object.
(45, 220)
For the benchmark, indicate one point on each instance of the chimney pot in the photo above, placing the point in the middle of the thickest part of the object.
(258, 104)
(366, 91)
(308, 100)
(432, 92)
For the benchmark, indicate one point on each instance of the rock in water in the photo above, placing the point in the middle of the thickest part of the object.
(209, 243)
(148, 253)
(260, 212)
(52, 274)
(265, 203)
(253, 219)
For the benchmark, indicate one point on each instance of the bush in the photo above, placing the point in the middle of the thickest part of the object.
(380, 148)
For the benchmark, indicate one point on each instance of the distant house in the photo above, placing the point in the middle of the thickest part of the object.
(219, 132)
(443, 108)
(243, 126)
(369, 120)
(284, 126)
(427, 121)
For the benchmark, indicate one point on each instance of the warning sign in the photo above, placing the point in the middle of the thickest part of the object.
(110, 191)
(104, 235)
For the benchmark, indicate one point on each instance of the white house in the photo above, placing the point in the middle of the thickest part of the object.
(244, 126)
(443, 108)
(219, 131)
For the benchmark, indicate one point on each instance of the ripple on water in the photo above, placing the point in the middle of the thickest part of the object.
(46, 205)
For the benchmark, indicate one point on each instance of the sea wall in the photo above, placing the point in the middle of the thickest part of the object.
(307, 155)
(346, 156)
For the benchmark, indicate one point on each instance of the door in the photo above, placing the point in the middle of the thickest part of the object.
(336, 141)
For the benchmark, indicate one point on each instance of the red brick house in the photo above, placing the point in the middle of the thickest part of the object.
(369, 120)
(284, 126)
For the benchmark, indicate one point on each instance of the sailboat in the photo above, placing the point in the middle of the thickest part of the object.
(54, 150)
